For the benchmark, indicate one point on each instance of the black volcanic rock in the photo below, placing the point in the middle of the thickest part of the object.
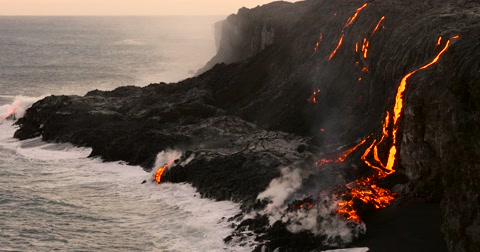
(244, 120)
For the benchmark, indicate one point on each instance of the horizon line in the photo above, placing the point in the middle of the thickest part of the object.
(109, 15)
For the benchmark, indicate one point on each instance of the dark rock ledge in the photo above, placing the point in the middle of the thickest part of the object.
(245, 120)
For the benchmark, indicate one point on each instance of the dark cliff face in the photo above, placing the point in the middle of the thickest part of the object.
(234, 117)
(250, 31)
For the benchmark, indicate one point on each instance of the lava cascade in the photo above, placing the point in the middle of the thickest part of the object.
(366, 189)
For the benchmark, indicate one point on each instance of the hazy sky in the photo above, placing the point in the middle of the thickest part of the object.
(125, 7)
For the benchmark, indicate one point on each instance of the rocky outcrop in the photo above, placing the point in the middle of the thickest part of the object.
(245, 120)
(250, 31)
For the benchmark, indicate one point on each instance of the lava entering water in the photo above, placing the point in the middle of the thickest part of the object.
(161, 170)
(11, 112)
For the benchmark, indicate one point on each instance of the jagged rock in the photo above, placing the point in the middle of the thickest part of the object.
(246, 119)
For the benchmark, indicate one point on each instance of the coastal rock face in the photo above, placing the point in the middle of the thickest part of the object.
(304, 80)
(250, 31)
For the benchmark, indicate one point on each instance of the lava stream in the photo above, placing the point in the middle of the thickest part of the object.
(349, 22)
(365, 189)
(161, 170)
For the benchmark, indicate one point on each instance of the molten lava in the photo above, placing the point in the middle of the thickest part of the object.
(161, 170)
(365, 46)
(349, 22)
(336, 48)
(378, 25)
(305, 204)
(11, 112)
(317, 45)
(355, 15)
(365, 189)
(313, 98)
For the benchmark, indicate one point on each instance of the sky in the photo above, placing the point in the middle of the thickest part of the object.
(125, 7)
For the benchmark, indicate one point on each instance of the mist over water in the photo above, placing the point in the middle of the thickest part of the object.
(73, 55)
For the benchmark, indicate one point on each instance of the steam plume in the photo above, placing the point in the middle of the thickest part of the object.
(17, 108)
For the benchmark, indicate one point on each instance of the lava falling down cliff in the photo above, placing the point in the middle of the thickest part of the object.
(381, 150)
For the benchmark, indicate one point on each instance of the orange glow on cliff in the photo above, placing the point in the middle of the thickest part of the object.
(378, 25)
(349, 22)
(365, 189)
(317, 45)
(397, 110)
(342, 156)
(313, 98)
(355, 15)
(336, 48)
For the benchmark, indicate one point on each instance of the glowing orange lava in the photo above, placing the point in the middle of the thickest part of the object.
(365, 189)
(342, 156)
(336, 48)
(355, 15)
(161, 170)
(378, 25)
(349, 22)
(317, 45)
(365, 46)
(313, 98)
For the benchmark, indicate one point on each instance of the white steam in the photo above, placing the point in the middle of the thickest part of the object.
(167, 156)
(17, 108)
(281, 188)
(321, 220)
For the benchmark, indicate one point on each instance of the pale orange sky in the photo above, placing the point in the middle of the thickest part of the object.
(125, 7)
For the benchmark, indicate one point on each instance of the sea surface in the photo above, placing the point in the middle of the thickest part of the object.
(54, 198)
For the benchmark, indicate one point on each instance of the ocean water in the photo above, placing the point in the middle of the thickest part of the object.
(72, 55)
(54, 198)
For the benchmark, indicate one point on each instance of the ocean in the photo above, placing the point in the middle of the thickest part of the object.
(54, 198)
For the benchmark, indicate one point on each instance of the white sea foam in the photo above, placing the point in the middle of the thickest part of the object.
(146, 217)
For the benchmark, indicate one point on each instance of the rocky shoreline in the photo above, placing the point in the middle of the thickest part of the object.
(304, 83)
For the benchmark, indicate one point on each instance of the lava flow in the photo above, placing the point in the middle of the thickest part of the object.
(378, 25)
(347, 24)
(161, 170)
(11, 112)
(366, 189)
